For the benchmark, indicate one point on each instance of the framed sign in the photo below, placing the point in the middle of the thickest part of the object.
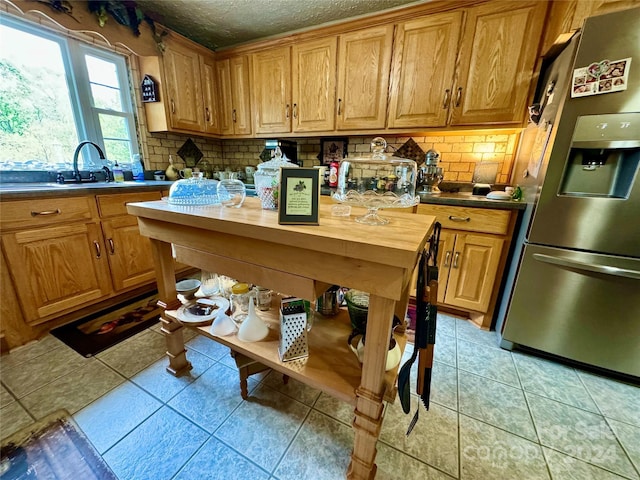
(149, 90)
(332, 149)
(299, 196)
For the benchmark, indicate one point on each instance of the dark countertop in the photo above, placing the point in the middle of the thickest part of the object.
(466, 199)
(19, 190)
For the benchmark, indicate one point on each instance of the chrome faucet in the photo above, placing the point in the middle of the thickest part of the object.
(76, 171)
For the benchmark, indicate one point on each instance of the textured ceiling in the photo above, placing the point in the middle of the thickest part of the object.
(222, 23)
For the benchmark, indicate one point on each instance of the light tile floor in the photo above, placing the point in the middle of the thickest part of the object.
(494, 415)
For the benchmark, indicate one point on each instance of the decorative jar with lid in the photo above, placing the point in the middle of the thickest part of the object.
(267, 180)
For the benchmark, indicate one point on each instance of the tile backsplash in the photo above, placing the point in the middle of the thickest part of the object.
(459, 152)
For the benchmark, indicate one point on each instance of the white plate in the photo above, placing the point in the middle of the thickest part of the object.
(187, 313)
(499, 195)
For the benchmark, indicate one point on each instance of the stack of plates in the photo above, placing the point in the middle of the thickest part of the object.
(203, 311)
(499, 195)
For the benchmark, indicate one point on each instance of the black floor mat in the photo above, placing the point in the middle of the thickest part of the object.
(98, 332)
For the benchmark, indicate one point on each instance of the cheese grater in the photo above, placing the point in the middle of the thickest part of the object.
(293, 330)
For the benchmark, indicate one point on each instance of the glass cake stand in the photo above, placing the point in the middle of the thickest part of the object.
(377, 181)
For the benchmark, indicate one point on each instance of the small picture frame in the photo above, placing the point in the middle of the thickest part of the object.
(299, 196)
(332, 149)
(149, 90)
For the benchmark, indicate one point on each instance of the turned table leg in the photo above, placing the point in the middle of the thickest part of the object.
(369, 407)
(172, 330)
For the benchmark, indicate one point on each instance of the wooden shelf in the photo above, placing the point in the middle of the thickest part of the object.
(331, 365)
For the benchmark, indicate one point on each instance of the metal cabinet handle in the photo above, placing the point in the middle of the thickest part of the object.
(447, 98)
(605, 269)
(447, 258)
(98, 250)
(453, 218)
(173, 106)
(207, 115)
(458, 96)
(112, 248)
(233, 115)
(456, 257)
(295, 110)
(339, 106)
(287, 111)
(46, 212)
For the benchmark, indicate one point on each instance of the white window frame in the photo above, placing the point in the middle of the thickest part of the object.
(86, 115)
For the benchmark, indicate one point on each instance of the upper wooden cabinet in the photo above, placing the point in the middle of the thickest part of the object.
(568, 15)
(487, 84)
(210, 95)
(184, 87)
(313, 72)
(424, 59)
(364, 59)
(232, 75)
(271, 89)
(496, 62)
(294, 87)
(187, 89)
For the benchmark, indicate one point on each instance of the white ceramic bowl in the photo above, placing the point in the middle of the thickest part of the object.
(188, 287)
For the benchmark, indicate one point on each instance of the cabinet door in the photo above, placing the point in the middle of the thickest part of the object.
(271, 88)
(314, 85)
(495, 66)
(210, 95)
(129, 252)
(182, 71)
(240, 95)
(424, 58)
(225, 101)
(473, 270)
(363, 78)
(445, 254)
(232, 75)
(57, 269)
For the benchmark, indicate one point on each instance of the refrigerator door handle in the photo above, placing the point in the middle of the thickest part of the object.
(605, 269)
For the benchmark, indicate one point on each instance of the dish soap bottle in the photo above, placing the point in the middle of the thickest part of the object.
(137, 169)
(118, 174)
(172, 172)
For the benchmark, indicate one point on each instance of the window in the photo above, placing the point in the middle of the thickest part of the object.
(56, 92)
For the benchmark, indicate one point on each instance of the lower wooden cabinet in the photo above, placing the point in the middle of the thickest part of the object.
(468, 269)
(471, 257)
(66, 254)
(57, 268)
(128, 252)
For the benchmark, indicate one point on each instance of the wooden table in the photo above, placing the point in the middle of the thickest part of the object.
(248, 244)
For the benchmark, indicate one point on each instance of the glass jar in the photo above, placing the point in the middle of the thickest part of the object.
(209, 283)
(264, 298)
(267, 180)
(240, 296)
(231, 192)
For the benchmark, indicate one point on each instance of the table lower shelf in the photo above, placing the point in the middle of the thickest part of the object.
(331, 365)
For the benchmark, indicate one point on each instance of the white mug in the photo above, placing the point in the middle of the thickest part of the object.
(394, 354)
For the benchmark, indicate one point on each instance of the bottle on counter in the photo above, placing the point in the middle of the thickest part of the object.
(118, 174)
(137, 169)
(333, 173)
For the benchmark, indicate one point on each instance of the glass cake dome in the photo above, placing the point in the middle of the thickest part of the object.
(376, 181)
(194, 191)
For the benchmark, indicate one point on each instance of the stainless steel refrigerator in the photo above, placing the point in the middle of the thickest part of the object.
(573, 289)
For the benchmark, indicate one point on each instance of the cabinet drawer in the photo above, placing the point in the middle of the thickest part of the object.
(469, 219)
(46, 211)
(113, 205)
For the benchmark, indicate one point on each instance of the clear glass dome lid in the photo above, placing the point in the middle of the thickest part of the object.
(377, 180)
(194, 191)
